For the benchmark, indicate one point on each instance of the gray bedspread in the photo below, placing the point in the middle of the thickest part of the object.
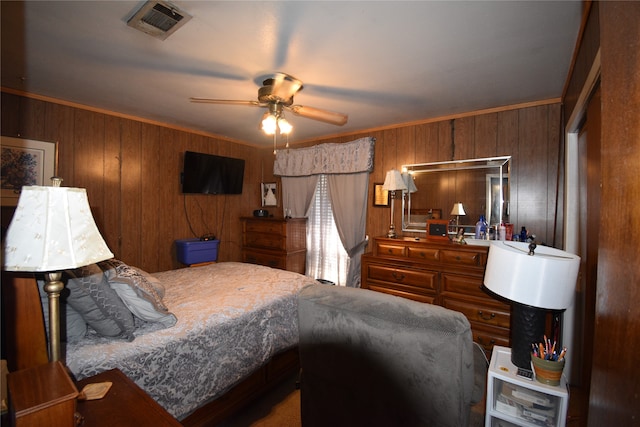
(232, 318)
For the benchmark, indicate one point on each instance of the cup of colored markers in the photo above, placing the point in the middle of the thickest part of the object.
(547, 363)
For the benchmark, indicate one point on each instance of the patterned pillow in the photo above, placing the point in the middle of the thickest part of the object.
(141, 307)
(99, 305)
(157, 284)
(140, 292)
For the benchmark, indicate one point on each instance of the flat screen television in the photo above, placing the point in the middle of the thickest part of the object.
(211, 174)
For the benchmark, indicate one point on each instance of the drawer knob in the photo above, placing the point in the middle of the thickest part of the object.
(398, 277)
(483, 317)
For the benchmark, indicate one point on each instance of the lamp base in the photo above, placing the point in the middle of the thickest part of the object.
(53, 287)
(392, 229)
(527, 328)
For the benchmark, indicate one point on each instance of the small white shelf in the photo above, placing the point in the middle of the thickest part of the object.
(516, 401)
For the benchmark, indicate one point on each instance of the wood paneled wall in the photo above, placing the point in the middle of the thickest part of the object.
(131, 171)
(615, 381)
(532, 136)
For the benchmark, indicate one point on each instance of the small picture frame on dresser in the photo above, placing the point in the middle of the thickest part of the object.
(437, 229)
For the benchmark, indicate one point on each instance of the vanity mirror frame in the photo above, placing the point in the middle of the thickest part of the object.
(496, 176)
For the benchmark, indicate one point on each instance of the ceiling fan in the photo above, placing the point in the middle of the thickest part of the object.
(277, 94)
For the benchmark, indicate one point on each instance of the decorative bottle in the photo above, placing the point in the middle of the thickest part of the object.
(523, 234)
(502, 234)
(481, 228)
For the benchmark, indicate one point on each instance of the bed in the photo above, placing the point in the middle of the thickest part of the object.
(222, 323)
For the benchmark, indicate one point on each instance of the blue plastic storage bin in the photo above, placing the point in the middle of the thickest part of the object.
(195, 251)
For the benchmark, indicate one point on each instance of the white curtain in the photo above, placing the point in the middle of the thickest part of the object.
(348, 193)
(347, 167)
(326, 257)
(297, 194)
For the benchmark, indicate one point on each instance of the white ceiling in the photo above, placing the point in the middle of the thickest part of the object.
(381, 62)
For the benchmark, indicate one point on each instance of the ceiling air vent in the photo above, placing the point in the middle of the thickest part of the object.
(159, 19)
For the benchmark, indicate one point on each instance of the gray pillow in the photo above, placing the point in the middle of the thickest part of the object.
(72, 325)
(140, 306)
(140, 292)
(99, 305)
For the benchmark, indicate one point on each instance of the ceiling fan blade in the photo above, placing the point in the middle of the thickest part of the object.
(285, 86)
(326, 116)
(225, 101)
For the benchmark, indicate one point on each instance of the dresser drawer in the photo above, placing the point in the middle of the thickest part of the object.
(420, 278)
(264, 240)
(263, 258)
(460, 257)
(488, 338)
(480, 312)
(386, 249)
(423, 254)
(264, 226)
(466, 285)
(402, 291)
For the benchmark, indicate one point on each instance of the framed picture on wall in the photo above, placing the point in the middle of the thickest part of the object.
(26, 162)
(380, 195)
(269, 193)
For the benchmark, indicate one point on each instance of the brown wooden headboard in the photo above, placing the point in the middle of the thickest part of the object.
(25, 343)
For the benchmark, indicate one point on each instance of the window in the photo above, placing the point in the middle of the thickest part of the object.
(326, 257)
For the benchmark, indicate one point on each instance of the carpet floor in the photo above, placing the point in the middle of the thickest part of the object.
(281, 408)
(278, 408)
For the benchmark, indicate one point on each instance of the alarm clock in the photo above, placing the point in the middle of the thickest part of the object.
(438, 229)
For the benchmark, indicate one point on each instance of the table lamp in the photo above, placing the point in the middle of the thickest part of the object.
(536, 279)
(52, 230)
(458, 210)
(393, 182)
(411, 188)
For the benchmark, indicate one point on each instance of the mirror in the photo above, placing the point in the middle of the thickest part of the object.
(481, 185)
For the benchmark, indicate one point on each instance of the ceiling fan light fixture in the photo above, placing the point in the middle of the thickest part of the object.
(276, 94)
(284, 126)
(269, 124)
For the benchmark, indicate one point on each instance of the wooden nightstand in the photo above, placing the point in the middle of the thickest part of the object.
(125, 404)
(42, 396)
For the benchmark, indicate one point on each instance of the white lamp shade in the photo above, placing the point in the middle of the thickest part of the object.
(409, 182)
(52, 230)
(394, 181)
(544, 280)
(458, 209)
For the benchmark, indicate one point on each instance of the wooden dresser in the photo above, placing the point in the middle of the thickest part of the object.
(275, 242)
(442, 273)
